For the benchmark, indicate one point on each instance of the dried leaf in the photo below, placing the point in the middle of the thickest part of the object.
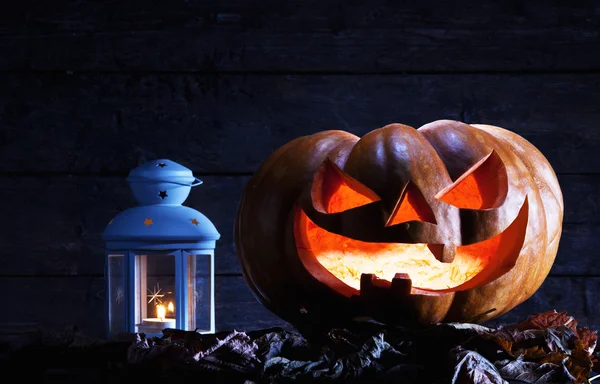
(589, 338)
(554, 358)
(534, 373)
(192, 340)
(547, 348)
(535, 352)
(472, 368)
(580, 363)
(162, 357)
(519, 337)
(236, 351)
(549, 319)
(504, 344)
(350, 365)
(550, 340)
(277, 343)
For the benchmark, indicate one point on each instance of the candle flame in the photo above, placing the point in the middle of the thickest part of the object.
(161, 312)
(170, 307)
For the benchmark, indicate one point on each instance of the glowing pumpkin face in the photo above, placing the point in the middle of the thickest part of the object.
(409, 238)
(449, 221)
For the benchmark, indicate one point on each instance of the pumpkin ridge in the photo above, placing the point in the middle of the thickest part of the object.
(509, 295)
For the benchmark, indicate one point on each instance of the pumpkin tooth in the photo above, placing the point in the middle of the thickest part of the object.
(401, 284)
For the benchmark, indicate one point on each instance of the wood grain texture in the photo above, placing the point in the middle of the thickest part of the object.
(106, 124)
(576, 295)
(244, 35)
(57, 222)
(90, 89)
(61, 303)
(53, 225)
(64, 302)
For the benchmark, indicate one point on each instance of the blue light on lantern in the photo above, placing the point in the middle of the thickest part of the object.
(159, 270)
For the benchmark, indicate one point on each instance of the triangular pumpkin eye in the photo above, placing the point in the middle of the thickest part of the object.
(333, 191)
(483, 186)
(411, 206)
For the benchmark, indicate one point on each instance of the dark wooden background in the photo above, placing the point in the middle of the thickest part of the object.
(90, 89)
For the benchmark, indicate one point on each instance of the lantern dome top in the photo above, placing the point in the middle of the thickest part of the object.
(161, 181)
(161, 222)
(161, 170)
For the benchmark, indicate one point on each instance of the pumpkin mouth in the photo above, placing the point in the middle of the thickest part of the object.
(339, 261)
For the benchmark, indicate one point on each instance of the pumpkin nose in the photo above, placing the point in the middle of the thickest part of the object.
(443, 252)
(448, 253)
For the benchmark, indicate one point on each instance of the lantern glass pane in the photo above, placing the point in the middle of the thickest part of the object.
(117, 299)
(200, 286)
(154, 293)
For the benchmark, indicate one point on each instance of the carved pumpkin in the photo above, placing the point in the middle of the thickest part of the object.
(448, 222)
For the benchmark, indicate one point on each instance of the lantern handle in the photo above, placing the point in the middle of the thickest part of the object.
(195, 183)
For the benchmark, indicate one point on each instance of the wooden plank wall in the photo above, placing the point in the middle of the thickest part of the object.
(90, 89)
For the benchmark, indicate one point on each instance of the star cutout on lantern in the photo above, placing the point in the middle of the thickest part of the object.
(162, 194)
(148, 222)
(162, 165)
(194, 221)
(155, 295)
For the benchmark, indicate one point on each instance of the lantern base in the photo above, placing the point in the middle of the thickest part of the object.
(155, 325)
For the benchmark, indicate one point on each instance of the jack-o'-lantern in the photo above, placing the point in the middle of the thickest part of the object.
(448, 222)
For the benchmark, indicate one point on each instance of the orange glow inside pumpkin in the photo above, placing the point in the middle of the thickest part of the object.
(411, 206)
(334, 191)
(347, 259)
(483, 186)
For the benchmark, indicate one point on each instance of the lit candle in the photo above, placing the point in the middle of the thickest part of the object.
(161, 312)
(170, 307)
(161, 321)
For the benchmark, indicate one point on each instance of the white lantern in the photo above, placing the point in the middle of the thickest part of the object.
(160, 256)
